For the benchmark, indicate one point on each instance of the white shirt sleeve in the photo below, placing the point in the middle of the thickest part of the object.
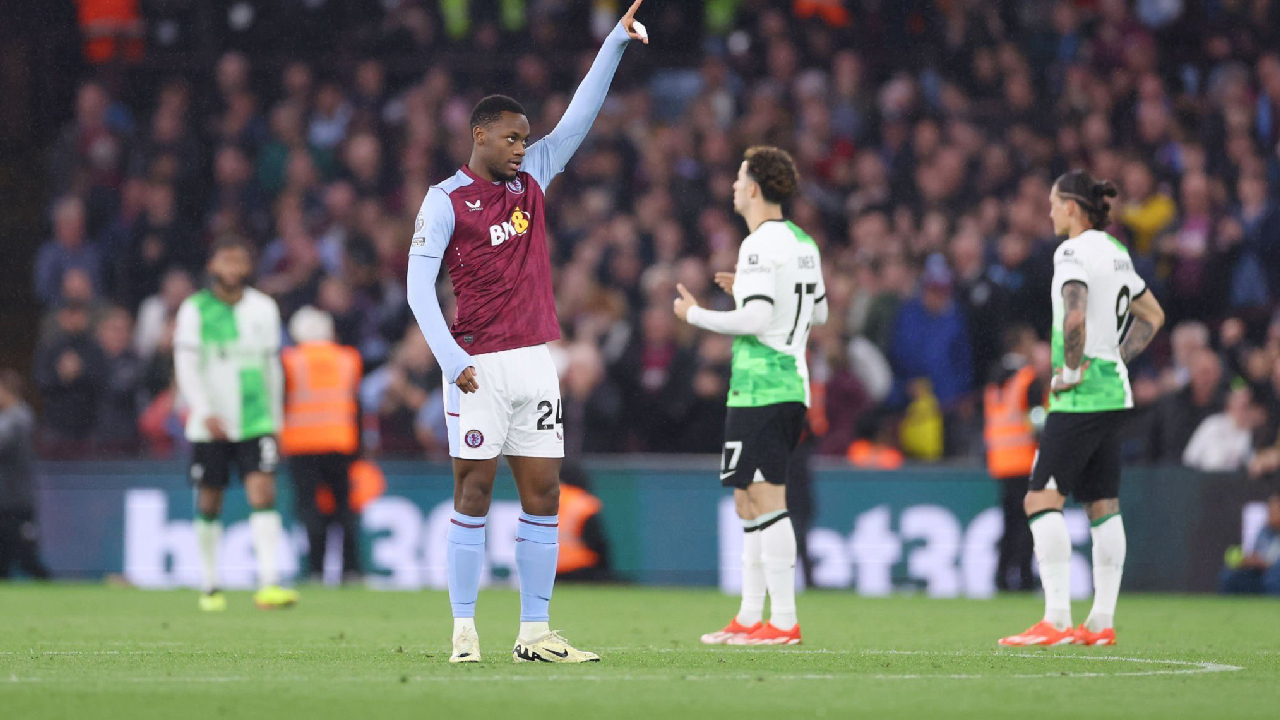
(821, 309)
(750, 319)
(186, 360)
(1069, 266)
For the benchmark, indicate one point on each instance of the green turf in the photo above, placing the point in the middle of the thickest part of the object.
(88, 651)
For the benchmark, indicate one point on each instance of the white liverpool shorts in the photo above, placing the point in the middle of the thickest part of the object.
(516, 411)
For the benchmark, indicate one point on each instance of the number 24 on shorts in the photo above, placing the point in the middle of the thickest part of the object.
(545, 408)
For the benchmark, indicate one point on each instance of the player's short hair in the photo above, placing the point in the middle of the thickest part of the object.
(1089, 193)
(774, 170)
(490, 109)
(232, 241)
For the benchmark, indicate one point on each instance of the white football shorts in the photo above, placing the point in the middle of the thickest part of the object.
(516, 411)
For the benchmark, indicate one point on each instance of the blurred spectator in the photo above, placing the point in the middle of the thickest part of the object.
(1187, 339)
(1224, 441)
(159, 309)
(1258, 571)
(399, 392)
(980, 298)
(330, 117)
(1177, 415)
(930, 340)
(118, 404)
(66, 251)
(1146, 211)
(89, 155)
(70, 373)
(235, 194)
(170, 153)
(161, 424)
(658, 370)
(839, 394)
(76, 289)
(1260, 226)
(286, 137)
(161, 241)
(18, 531)
(592, 409)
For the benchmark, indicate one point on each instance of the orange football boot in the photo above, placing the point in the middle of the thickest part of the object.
(1083, 636)
(769, 634)
(1042, 633)
(732, 630)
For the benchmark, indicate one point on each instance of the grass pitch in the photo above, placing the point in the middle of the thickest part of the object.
(91, 651)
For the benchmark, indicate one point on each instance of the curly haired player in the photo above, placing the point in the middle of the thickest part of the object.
(779, 293)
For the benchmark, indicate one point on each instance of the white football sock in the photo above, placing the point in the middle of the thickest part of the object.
(1108, 564)
(209, 538)
(1053, 551)
(266, 528)
(753, 586)
(530, 631)
(461, 625)
(778, 553)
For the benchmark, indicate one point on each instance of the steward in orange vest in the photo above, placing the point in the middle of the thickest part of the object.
(1010, 437)
(584, 552)
(1014, 391)
(321, 435)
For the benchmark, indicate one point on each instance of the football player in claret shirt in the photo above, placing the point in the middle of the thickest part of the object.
(487, 225)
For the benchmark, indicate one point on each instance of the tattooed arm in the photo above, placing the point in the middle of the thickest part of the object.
(1075, 297)
(1148, 316)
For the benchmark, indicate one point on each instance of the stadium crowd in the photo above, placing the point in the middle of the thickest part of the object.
(926, 188)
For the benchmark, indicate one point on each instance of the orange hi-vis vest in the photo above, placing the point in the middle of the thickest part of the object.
(1011, 442)
(576, 507)
(320, 410)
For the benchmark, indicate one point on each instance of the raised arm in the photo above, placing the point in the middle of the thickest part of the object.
(546, 158)
(1148, 317)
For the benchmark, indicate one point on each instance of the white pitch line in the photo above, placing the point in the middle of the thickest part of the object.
(1185, 668)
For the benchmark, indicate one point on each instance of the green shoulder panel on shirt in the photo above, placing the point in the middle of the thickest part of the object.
(217, 319)
(1119, 245)
(762, 375)
(801, 235)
